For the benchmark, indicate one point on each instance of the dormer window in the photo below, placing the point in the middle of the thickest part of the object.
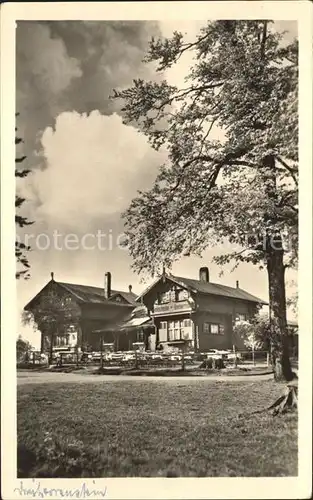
(173, 293)
(164, 298)
(66, 301)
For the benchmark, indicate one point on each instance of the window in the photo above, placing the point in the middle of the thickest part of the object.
(162, 335)
(182, 295)
(163, 325)
(66, 301)
(140, 336)
(171, 326)
(176, 330)
(213, 328)
(206, 327)
(187, 323)
(164, 298)
(173, 294)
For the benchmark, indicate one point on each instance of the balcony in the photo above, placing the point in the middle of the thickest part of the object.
(172, 307)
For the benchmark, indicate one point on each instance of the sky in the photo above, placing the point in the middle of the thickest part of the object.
(86, 164)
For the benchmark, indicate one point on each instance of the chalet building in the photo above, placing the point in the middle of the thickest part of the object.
(196, 312)
(96, 307)
(172, 312)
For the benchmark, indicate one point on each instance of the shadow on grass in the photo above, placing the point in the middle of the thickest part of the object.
(178, 372)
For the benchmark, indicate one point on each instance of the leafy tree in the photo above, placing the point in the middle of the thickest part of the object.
(255, 334)
(292, 300)
(243, 187)
(258, 327)
(53, 315)
(22, 348)
(20, 248)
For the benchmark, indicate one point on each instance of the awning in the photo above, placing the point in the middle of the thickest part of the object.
(131, 324)
(137, 322)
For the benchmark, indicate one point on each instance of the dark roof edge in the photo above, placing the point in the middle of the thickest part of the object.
(77, 297)
(174, 279)
(25, 308)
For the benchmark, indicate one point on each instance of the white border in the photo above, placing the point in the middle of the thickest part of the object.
(137, 488)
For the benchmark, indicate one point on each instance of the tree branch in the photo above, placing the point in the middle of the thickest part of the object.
(287, 167)
(20, 160)
(263, 40)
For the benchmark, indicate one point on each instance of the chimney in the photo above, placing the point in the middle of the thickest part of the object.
(52, 276)
(130, 288)
(204, 274)
(107, 285)
(237, 284)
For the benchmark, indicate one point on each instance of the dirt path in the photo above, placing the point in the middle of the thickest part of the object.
(48, 377)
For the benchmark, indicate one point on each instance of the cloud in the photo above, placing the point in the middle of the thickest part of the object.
(43, 71)
(95, 165)
(52, 68)
(73, 66)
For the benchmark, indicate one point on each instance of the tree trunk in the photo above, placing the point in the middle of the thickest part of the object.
(274, 256)
(278, 320)
(42, 347)
(51, 348)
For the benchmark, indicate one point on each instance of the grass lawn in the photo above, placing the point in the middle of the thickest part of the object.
(144, 428)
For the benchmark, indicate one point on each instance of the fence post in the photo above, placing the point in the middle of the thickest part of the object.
(253, 360)
(267, 359)
(34, 359)
(77, 355)
(101, 351)
(136, 359)
(235, 356)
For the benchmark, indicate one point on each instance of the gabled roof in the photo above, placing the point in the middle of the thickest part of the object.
(208, 288)
(128, 296)
(92, 294)
(217, 289)
(95, 294)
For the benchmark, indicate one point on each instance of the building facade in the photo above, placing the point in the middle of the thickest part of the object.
(89, 309)
(173, 312)
(196, 313)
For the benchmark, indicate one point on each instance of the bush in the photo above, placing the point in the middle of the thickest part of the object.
(211, 363)
(219, 364)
